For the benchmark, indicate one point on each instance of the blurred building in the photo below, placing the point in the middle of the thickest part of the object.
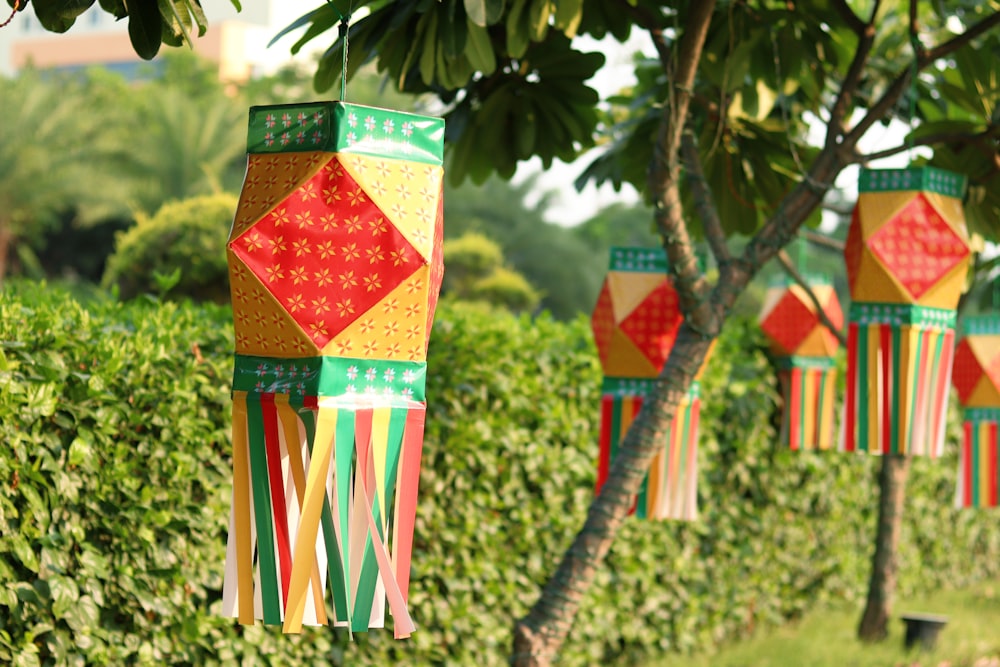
(97, 39)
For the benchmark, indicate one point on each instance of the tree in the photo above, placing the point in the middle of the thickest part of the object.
(728, 97)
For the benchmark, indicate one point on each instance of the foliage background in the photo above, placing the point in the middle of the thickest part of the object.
(114, 493)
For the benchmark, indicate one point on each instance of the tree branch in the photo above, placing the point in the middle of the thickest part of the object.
(664, 170)
(821, 240)
(866, 41)
(850, 18)
(647, 21)
(790, 269)
(703, 202)
(902, 80)
(932, 140)
(959, 41)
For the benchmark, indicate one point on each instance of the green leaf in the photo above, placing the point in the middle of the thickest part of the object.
(64, 593)
(145, 29)
(479, 49)
(568, 16)
(60, 15)
(83, 615)
(484, 12)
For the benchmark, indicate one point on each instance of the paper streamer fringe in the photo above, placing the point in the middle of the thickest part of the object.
(315, 484)
(978, 472)
(897, 387)
(670, 489)
(809, 391)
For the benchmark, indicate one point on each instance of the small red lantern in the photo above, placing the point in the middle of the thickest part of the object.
(976, 378)
(635, 323)
(803, 349)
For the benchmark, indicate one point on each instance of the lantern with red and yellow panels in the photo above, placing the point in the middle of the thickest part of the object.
(907, 256)
(803, 350)
(635, 323)
(976, 378)
(335, 265)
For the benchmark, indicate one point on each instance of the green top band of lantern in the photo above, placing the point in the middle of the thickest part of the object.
(338, 127)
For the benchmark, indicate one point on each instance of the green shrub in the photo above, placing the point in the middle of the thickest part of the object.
(506, 288)
(114, 496)
(476, 273)
(181, 250)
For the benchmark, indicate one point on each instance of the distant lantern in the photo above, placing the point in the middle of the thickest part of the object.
(976, 378)
(635, 324)
(907, 256)
(335, 265)
(803, 349)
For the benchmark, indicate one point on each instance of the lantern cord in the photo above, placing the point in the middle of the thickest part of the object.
(915, 43)
(343, 30)
(13, 13)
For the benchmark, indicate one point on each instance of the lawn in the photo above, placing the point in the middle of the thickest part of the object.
(826, 638)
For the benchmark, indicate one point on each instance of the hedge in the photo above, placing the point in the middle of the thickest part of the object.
(114, 494)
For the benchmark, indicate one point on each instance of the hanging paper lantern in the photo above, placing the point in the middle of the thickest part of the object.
(907, 255)
(977, 380)
(335, 265)
(803, 350)
(635, 323)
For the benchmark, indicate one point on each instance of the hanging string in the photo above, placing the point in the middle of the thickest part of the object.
(343, 29)
(13, 13)
(915, 44)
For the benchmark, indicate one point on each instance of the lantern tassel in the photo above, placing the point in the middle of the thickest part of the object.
(978, 473)
(899, 364)
(670, 488)
(808, 385)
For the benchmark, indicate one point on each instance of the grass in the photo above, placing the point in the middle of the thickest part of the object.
(826, 638)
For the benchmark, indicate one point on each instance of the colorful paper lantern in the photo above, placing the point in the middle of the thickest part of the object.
(335, 266)
(907, 255)
(803, 350)
(635, 323)
(977, 380)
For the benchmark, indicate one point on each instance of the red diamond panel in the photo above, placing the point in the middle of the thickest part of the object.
(967, 371)
(653, 325)
(789, 322)
(327, 253)
(918, 247)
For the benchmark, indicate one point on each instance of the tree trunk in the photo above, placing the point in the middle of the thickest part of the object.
(5, 243)
(874, 624)
(539, 636)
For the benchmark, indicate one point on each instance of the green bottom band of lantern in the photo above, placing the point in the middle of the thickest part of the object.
(670, 488)
(324, 501)
(899, 360)
(978, 470)
(808, 388)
